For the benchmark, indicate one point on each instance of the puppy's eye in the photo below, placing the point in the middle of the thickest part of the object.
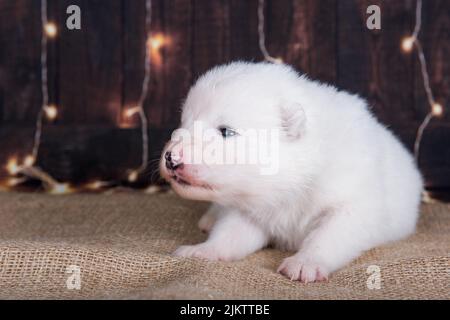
(227, 132)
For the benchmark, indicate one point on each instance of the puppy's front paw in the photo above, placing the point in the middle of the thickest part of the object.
(202, 251)
(296, 268)
(206, 222)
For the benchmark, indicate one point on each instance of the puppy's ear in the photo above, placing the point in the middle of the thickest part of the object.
(293, 119)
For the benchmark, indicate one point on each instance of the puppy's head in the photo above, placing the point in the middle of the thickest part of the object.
(240, 134)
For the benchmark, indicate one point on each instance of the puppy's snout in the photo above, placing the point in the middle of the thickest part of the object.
(173, 161)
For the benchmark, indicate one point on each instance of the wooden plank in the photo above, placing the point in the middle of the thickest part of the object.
(390, 84)
(435, 152)
(243, 30)
(133, 52)
(53, 56)
(293, 32)
(96, 72)
(323, 55)
(178, 76)
(83, 153)
(209, 39)
(353, 65)
(435, 39)
(20, 73)
(170, 75)
(156, 102)
(371, 62)
(90, 63)
(279, 16)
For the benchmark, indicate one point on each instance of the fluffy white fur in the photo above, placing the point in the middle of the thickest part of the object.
(345, 183)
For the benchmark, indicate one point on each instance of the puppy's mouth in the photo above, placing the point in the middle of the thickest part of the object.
(185, 183)
(179, 180)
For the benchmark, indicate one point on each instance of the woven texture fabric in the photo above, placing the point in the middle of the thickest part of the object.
(121, 245)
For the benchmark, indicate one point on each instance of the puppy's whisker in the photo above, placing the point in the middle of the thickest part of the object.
(149, 166)
(154, 173)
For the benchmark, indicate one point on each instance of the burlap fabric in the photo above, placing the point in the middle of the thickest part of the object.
(122, 244)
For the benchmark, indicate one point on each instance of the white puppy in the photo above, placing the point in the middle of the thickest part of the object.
(342, 184)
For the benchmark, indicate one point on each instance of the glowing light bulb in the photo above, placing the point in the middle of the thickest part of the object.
(407, 43)
(12, 166)
(61, 188)
(51, 112)
(156, 41)
(133, 176)
(131, 112)
(96, 185)
(29, 161)
(12, 182)
(278, 60)
(50, 29)
(437, 110)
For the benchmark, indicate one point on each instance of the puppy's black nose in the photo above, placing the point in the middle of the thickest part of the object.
(168, 157)
(170, 163)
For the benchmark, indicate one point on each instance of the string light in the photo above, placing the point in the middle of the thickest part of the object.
(48, 110)
(50, 29)
(154, 44)
(262, 35)
(133, 176)
(94, 185)
(51, 112)
(408, 43)
(29, 161)
(152, 189)
(156, 41)
(139, 109)
(61, 188)
(44, 82)
(436, 109)
(97, 185)
(128, 113)
(12, 166)
(12, 182)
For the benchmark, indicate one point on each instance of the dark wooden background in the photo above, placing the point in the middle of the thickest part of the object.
(96, 72)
